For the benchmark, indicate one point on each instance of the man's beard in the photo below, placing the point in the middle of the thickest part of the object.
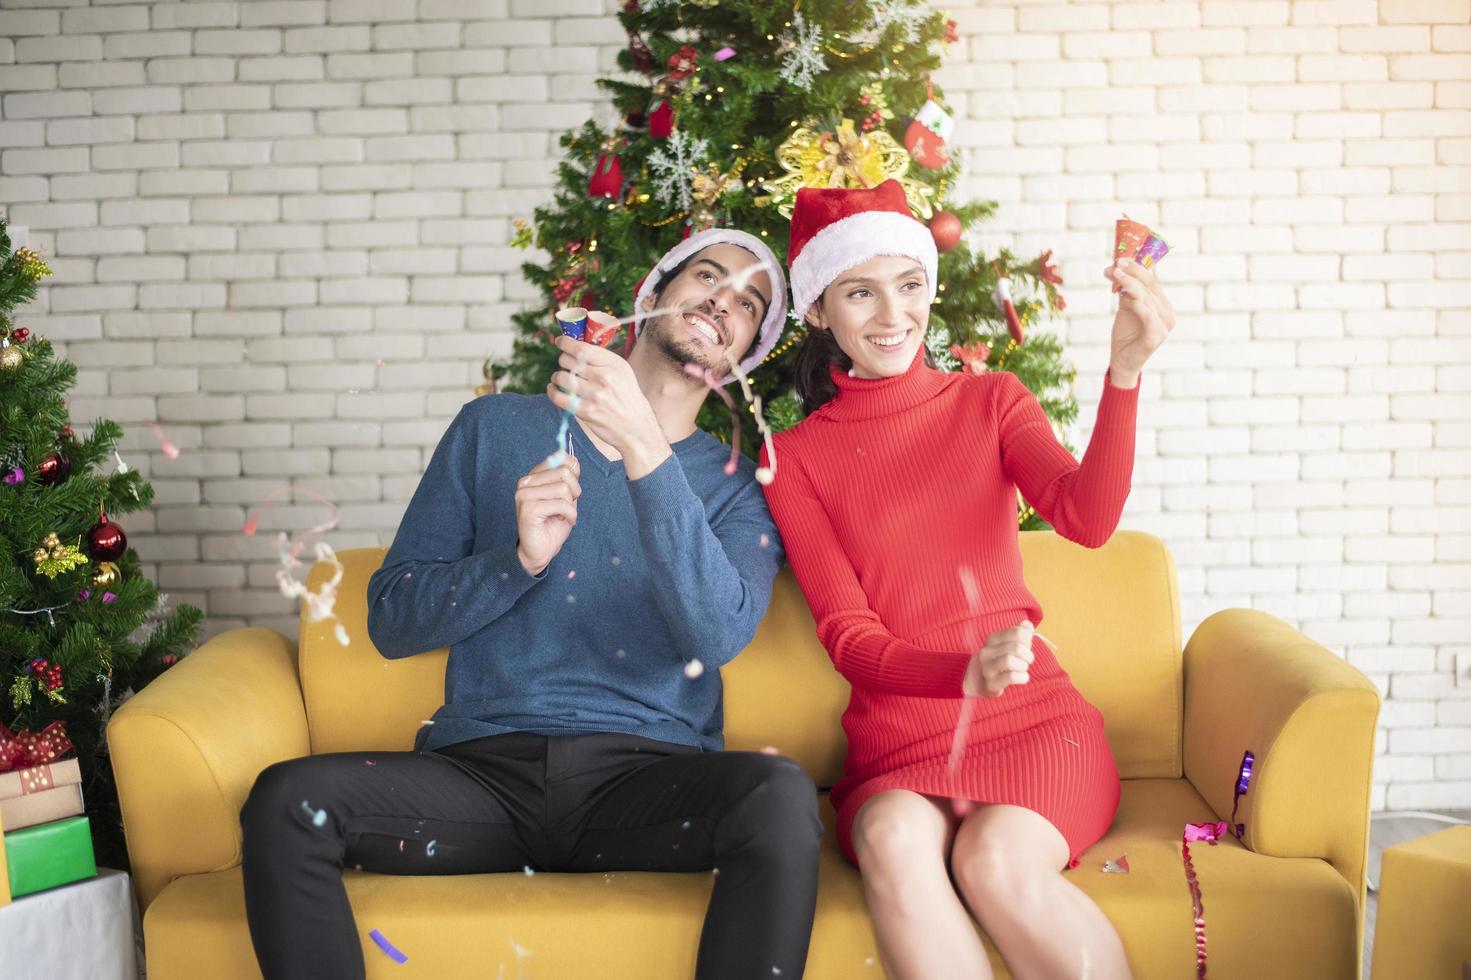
(682, 352)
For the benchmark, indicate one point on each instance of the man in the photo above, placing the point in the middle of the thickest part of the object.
(587, 601)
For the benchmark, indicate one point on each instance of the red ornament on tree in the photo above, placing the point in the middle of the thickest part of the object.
(53, 469)
(661, 121)
(607, 177)
(106, 541)
(643, 58)
(19, 335)
(972, 356)
(945, 228)
(682, 62)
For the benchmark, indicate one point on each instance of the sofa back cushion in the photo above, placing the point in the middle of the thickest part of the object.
(1112, 612)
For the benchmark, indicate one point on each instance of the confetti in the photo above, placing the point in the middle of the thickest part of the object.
(388, 948)
(528, 871)
(319, 817)
(706, 375)
(1117, 866)
(725, 53)
(770, 750)
(971, 587)
(572, 575)
(320, 604)
(429, 848)
(169, 449)
(693, 669)
(764, 474)
(765, 540)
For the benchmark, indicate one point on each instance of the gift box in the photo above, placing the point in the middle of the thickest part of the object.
(40, 794)
(85, 931)
(4, 868)
(48, 855)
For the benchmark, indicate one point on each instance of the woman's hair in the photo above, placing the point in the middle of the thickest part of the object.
(814, 380)
(817, 351)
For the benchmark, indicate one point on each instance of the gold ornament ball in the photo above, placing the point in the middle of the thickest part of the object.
(11, 358)
(107, 574)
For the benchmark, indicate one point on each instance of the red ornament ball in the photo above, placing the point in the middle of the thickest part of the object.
(945, 228)
(20, 334)
(106, 541)
(53, 469)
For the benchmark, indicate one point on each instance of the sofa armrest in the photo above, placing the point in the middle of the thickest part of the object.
(1254, 682)
(187, 748)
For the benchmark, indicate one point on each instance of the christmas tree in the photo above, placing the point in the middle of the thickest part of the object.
(727, 108)
(80, 628)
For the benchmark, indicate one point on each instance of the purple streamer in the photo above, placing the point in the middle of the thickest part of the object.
(387, 947)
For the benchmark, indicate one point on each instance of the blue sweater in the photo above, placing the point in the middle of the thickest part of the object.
(670, 568)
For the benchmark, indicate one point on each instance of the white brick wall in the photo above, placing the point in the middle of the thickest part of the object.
(280, 227)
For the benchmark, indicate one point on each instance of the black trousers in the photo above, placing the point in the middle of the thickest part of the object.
(589, 803)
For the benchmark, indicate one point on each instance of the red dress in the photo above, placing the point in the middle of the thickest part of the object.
(889, 499)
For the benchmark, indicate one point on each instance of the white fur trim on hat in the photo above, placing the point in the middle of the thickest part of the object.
(854, 240)
(776, 312)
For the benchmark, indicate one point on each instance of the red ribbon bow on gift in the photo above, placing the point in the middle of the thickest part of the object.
(24, 749)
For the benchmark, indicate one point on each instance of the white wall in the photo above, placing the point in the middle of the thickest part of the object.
(279, 228)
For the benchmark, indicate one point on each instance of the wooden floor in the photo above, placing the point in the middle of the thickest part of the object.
(1387, 830)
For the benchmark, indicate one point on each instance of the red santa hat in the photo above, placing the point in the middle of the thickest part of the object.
(834, 229)
(769, 330)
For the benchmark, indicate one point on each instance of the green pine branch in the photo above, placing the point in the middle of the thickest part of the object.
(108, 639)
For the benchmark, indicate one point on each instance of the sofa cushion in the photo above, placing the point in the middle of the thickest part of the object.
(1266, 917)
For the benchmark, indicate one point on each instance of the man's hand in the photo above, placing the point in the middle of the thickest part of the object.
(610, 403)
(546, 510)
(1006, 659)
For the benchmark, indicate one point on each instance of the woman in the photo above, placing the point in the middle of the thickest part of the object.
(896, 498)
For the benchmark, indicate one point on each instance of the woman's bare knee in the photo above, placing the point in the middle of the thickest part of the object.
(1006, 857)
(900, 839)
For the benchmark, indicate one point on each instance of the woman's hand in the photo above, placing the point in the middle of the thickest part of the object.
(1006, 659)
(1144, 320)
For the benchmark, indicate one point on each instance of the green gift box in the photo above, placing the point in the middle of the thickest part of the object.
(49, 854)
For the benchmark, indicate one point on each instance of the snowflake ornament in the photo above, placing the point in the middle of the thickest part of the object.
(936, 342)
(674, 165)
(802, 47)
(899, 14)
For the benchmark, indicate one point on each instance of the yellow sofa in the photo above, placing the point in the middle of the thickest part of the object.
(1287, 902)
